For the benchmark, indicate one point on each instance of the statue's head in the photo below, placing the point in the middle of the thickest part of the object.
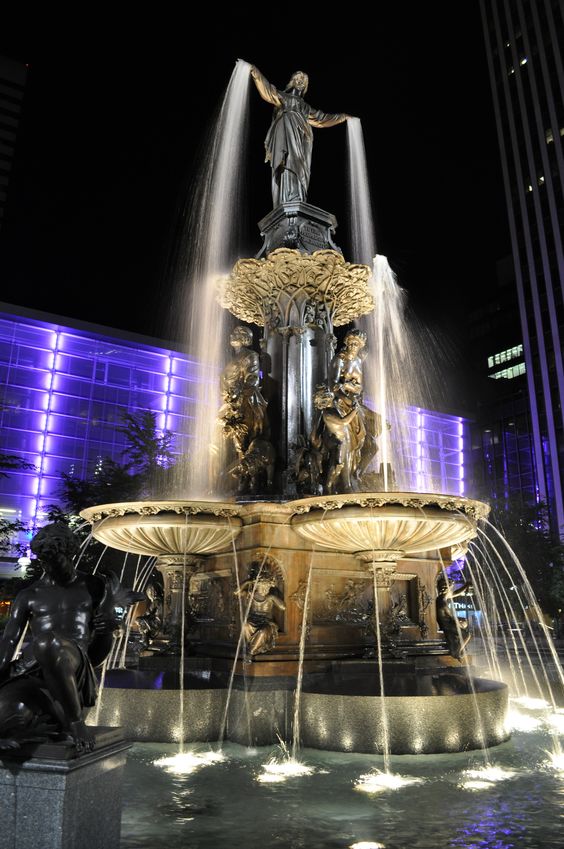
(299, 81)
(356, 338)
(266, 575)
(55, 545)
(354, 342)
(241, 337)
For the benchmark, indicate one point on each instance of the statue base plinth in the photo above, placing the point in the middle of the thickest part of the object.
(57, 800)
(300, 226)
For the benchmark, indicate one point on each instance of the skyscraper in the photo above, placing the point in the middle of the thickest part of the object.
(523, 39)
(12, 82)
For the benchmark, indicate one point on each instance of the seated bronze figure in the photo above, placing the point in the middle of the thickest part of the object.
(71, 619)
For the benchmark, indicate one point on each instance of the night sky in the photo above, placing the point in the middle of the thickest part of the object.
(112, 131)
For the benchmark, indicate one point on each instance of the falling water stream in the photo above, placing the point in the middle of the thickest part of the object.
(299, 680)
(402, 365)
(244, 615)
(471, 684)
(211, 248)
(383, 707)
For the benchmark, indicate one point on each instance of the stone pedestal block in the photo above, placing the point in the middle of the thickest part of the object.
(55, 801)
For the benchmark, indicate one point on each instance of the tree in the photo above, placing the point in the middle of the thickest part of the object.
(12, 463)
(526, 528)
(147, 448)
(147, 459)
(9, 528)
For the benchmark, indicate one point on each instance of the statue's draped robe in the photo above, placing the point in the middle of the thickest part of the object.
(346, 376)
(289, 140)
(243, 399)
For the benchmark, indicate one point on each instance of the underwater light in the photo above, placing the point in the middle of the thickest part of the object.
(366, 844)
(277, 771)
(184, 763)
(530, 703)
(484, 777)
(377, 781)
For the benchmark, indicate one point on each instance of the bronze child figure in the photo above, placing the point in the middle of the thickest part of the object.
(71, 619)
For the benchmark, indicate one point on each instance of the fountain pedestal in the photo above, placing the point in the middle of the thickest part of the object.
(56, 801)
(299, 225)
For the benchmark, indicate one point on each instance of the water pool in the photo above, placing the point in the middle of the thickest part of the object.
(235, 803)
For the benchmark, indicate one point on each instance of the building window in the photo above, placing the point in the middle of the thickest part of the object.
(509, 373)
(505, 356)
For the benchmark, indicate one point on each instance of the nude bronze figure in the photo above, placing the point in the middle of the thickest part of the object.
(71, 619)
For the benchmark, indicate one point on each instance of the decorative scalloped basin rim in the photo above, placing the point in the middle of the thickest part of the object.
(399, 523)
(356, 522)
(165, 527)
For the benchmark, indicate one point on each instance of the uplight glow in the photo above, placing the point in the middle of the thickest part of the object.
(277, 771)
(484, 777)
(366, 844)
(531, 704)
(378, 782)
(184, 763)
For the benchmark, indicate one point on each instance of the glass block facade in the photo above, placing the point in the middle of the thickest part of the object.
(436, 452)
(63, 389)
(62, 392)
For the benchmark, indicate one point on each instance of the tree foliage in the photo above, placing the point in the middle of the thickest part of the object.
(526, 528)
(9, 528)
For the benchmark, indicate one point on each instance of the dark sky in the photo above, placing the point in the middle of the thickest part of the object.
(112, 130)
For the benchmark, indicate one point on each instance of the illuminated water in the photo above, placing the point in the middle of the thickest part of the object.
(404, 359)
(451, 802)
(209, 250)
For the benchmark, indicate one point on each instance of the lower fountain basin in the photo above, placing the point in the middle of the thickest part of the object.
(342, 721)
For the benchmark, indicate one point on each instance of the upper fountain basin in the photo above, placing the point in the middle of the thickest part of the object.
(165, 527)
(398, 523)
(388, 524)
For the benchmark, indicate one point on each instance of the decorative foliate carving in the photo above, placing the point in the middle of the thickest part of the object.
(472, 509)
(260, 291)
(141, 508)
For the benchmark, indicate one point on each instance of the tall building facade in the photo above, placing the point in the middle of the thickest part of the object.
(503, 463)
(523, 44)
(12, 82)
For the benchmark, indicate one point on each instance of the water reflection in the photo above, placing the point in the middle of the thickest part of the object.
(199, 802)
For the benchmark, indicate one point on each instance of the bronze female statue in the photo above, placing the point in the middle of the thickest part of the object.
(347, 384)
(289, 140)
(243, 413)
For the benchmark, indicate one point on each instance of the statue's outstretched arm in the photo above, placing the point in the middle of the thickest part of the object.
(267, 91)
(317, 118)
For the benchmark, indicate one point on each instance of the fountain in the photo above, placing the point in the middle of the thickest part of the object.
(310, 580)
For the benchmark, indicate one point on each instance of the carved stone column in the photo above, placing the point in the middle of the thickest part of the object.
(176, 570)
(299, 295)
(382, 564)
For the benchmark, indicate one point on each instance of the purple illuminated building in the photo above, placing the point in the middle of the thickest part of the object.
(65, 384)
